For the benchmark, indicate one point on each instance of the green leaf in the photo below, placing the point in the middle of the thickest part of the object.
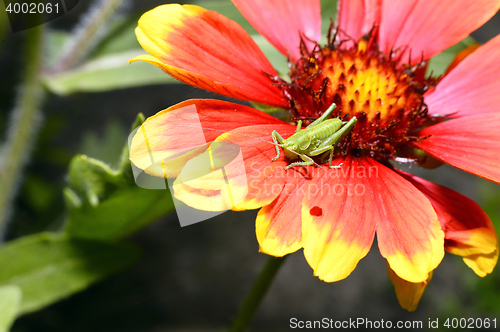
(10, 303)
(121, 214)
(91, 178)
(48, 267)
(106, 204)
(106, 73)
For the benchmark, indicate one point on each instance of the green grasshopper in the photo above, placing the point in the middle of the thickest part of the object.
(319, 137)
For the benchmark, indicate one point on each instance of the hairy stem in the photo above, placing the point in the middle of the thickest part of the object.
(87, 33)
(23, 124)
(257, 293)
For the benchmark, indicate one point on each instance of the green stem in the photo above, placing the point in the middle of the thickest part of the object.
(23, 124)
(256, 294)
(87, 34)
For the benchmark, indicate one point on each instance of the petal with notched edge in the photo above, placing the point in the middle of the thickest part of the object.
(409, 235)
(471, 143)
(279, 224)
(182, 132)
(469, 231)
(408, 293)
(282, 22)
(338, 226)
(424, 28)
(207, 50)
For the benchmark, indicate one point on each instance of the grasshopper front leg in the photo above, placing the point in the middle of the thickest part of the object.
(277, 138)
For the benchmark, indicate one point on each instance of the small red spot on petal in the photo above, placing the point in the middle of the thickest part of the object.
(316, 211)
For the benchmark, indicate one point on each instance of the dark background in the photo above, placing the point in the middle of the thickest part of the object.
(194, 278)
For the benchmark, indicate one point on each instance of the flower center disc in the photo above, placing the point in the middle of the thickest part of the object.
(385, 96)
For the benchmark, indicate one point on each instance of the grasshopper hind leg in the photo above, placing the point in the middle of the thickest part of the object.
(330, 158)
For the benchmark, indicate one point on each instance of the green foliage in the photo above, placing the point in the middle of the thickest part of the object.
(105, 73)
(122, 213)
(106, 147)
(10, 303)
(103, 204)
(48, 267)
(106, 204)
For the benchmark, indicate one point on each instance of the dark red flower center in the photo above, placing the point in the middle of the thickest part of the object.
(385, 96)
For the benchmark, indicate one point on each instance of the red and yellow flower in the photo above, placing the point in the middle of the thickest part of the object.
(372, 67)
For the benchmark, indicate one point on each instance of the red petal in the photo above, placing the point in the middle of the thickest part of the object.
(472, 87)
(468, 230)
(408, 231)
(281, 22)
(357, 17)
(207, 50)
(279, 224)
(338, 225)
(427, 27)
(408, 293)
(471, 143)
(182, 131)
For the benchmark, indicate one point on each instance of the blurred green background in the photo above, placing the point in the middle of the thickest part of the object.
(182, 279)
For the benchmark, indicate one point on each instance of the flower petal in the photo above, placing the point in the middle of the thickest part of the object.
(210, 184)
(282, 22)
(211, 181)
(279, 224)
(357, 17)
(469, 231)
(408, 293)
(338, 225)
(408, 231)
(182, 131)
(207, 50)
(265, 178)
(425, 28)
(471, 88)
(471, 143)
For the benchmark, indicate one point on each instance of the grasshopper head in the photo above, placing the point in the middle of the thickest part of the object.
(289, 147)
